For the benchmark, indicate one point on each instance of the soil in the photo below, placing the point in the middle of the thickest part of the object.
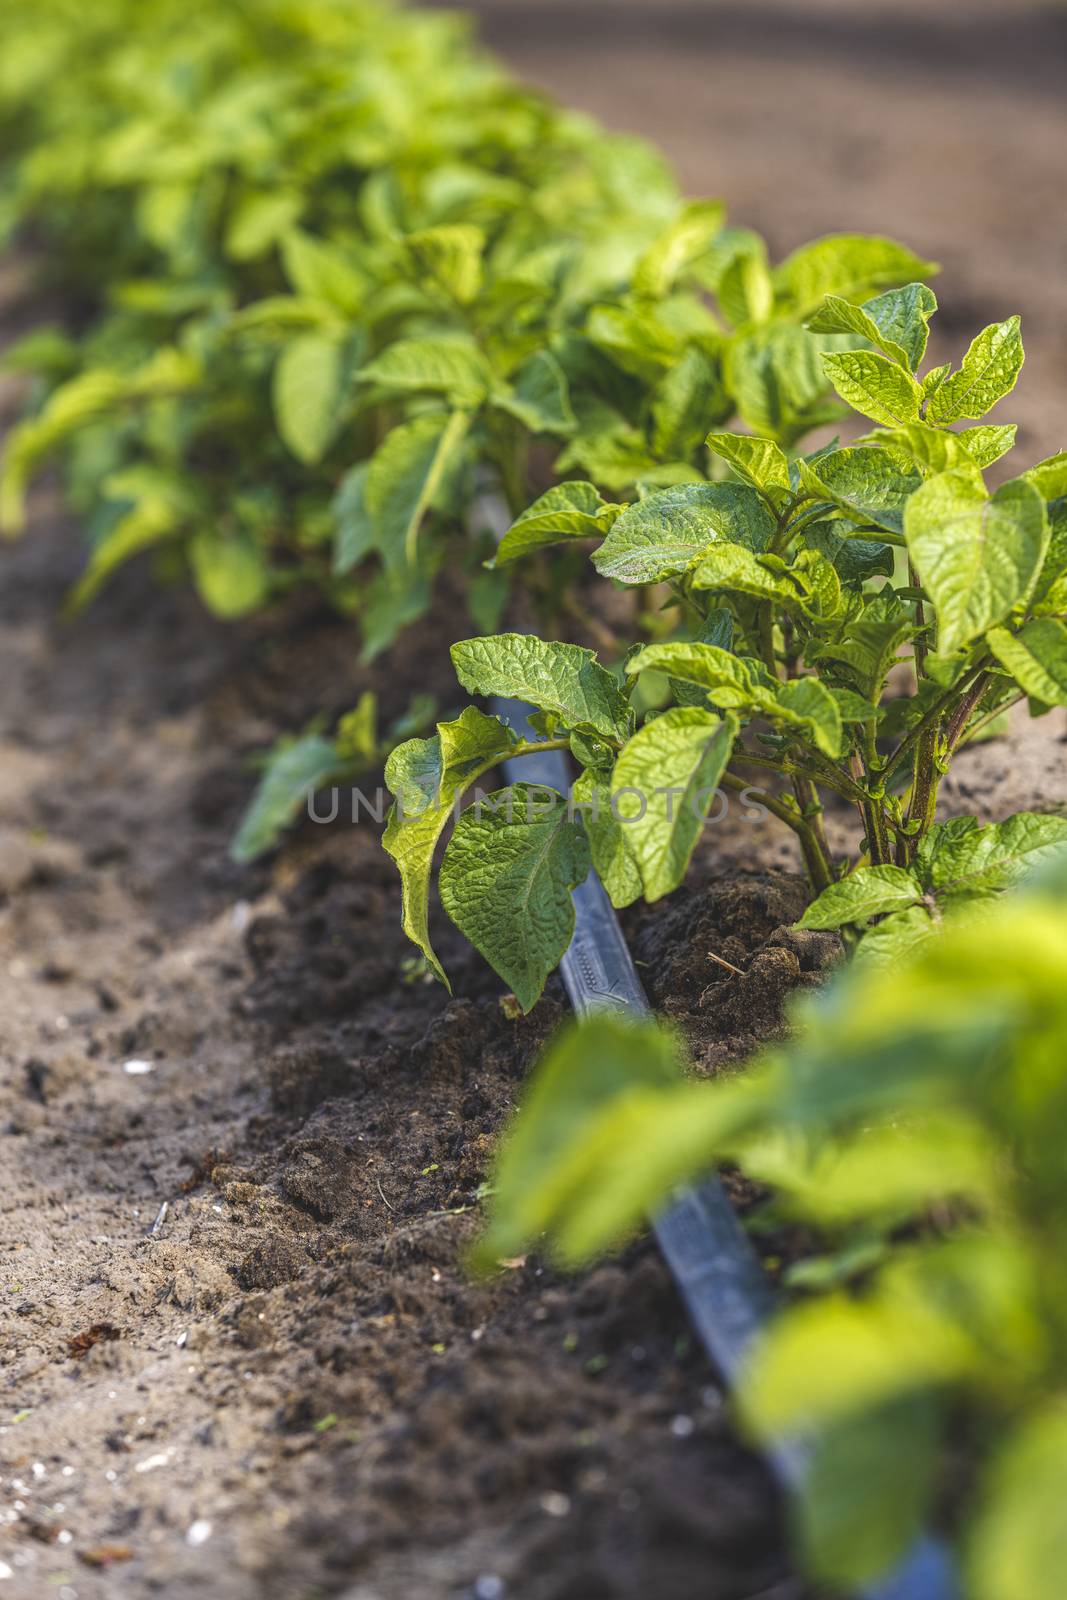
(241, 1147)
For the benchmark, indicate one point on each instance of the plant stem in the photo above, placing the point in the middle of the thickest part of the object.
(957, 724)
(929, 719)
(815, 858)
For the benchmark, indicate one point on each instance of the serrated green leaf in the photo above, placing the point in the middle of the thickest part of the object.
(569, 511)
(664, 534)
(989, 372)
(408, 471)
(507, 881)
(427, 776)
(670, 770)
(977, 556)
(866, 892)
(307, 393)
(294, 771)
(1036, 657)
(450, 366)
(873, 386)
(562, 678)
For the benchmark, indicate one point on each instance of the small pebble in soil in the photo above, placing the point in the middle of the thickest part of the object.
(488, 1587)
(198, 1533)
(555, 1504)
(137, 1069)
(682, 1427)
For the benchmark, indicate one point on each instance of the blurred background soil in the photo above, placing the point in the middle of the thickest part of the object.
(241, 1355)
(943, 125)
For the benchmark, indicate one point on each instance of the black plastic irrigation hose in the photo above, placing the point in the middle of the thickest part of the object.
(726, 1291)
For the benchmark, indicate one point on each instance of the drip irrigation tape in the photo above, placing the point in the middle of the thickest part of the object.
(718, 1273)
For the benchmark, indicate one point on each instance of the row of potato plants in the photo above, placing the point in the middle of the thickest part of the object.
(330, 274)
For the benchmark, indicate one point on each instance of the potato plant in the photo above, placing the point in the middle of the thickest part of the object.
(335, 266)
(914, 1129)
(843, 622)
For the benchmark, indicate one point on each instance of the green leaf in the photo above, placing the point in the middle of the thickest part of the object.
(409, 469)
(678, 247)
(989, 372)
(1017, 1542)
(562, 678)
(977, 556)
(897, 323)
(742, 683)
(874, 386)
(231, 574)
(777, 376)
(428, 776)
(606, 1130)
(988, 442)
(321, 271)
(355, 533)
(568, 511)
(582, 1074)
(960, 859)
(295, 770)
(896, 939)
(454, 367)
(867, 1490)
(1036, 657)
(1049, 477)
(684, 400)
(759, 461)
(869, 483)
(671, 767)
(873, 643)
(450, 256)
(147, 524)
(507, 882)
(258, 221)
(539, 396)
(307, 394)
(612, 860)
(849, 265)
(810, 585)
(666, 533)
(866, 892)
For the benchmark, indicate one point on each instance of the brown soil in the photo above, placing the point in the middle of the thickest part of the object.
(242, 1357)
